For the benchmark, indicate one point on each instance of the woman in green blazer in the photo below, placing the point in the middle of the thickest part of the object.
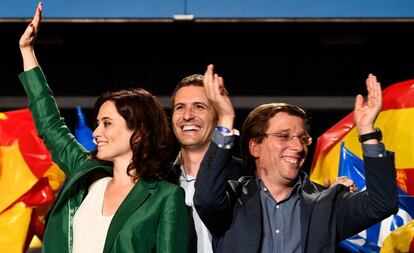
(113, 199)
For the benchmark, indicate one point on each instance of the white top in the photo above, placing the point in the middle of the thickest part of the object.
(89, 225)
(203, 235)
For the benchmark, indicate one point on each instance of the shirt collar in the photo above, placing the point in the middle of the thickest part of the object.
(179, 163)
(178, 160)
(295, 190)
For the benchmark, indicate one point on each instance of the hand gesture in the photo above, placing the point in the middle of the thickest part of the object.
(29, 35)
(344, 180)
(365, 113)
(218, 96)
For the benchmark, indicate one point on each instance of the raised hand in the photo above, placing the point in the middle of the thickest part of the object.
(27, 40)
(365, 113)
(218, 96)
(29, 35)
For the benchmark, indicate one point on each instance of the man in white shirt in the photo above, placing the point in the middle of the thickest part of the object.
(193, 121)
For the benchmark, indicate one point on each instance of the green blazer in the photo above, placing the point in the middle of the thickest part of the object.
(152, 218)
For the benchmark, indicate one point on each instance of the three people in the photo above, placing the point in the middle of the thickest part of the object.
(115, 199)
(279, 209)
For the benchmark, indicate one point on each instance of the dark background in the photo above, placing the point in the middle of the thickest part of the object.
(297, 58)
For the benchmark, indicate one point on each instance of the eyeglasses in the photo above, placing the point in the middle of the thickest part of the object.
(286, 137)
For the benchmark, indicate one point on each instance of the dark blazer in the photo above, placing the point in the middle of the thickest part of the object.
(232, 211)
(234, 171)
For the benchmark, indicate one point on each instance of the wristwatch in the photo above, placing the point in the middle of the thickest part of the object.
(369, 136)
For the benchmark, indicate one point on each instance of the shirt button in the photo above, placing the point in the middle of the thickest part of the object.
(277, 206)
(265, 189)
(380, 155)
(277, 231)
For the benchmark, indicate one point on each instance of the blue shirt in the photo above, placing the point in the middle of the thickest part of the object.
(281, 222)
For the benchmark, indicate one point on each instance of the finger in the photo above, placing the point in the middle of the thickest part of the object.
(371, 80)
(220, 81)
(216, 82)
(208, 78)
(353, 189)
(368, 84)
(217, 86)
(378, 91)
(38, 16)
(29, 31)
(223, 90)
(327, 182)
(208, 73)
(348, 182)
(374, 83)
(359, 102)
(375, 92)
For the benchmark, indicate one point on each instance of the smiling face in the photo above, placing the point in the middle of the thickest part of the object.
(193, 117)
(279, 159)
(112, 135)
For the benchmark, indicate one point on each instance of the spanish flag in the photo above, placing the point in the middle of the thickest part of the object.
(338, 152)
(29, 181)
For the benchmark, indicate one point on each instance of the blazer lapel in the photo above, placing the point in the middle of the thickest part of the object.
(307, 203)
(81, 182)
(254, 215)
(135, 198)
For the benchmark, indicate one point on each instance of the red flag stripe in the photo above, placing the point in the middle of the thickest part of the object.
(412, 245)
(399, 95)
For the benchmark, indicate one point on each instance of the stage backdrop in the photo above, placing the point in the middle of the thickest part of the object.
(211, 9)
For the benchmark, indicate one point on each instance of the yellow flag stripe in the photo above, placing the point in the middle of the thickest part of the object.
(398, 137)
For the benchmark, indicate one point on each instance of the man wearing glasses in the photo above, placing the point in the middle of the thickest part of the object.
(194, 120)
(279, 209)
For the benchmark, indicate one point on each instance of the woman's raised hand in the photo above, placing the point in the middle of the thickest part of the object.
(29, 35)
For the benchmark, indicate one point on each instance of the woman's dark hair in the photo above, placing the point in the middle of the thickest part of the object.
(151, 140)
(257, 122)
